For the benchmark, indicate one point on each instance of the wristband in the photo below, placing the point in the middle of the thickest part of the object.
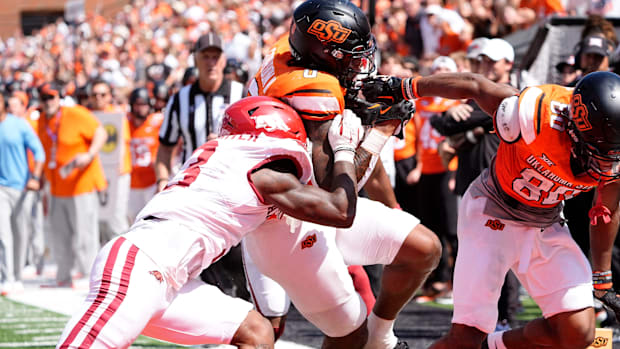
(36, 178)
(344, 155)
(374, 141)
(409, 88)
(601, 280)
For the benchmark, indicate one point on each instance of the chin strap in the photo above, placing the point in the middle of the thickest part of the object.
(599, 210)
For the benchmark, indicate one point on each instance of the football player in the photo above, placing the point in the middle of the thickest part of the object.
(143, 281)
(315, 69)
(556, 142)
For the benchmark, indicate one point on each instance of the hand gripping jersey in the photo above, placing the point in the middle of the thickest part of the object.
(532, 167)
(213, 202)
(314, 94)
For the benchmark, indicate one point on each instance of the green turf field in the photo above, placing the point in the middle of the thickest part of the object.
(24, 326)
(530, 311)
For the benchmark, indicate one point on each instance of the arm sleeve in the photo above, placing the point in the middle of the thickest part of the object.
(33, 143)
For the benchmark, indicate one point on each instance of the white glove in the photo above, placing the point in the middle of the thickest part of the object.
(344, 135)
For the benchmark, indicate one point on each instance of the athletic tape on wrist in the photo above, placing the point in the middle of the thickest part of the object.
(344, 155)
(495, 340)
(374, 141)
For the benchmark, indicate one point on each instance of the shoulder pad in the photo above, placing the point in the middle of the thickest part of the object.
(507, 120)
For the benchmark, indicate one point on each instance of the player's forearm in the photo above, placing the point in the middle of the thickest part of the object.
(603, 234)
(163, 162)
(379, 187)
(602, 237)
(486, 93)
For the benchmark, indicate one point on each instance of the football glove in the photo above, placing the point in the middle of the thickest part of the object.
(387, 89)
(611, 300)
(374, 113)
(344, 135)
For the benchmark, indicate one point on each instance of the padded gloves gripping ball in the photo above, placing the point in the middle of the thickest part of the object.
(373, 113)
(388, 89)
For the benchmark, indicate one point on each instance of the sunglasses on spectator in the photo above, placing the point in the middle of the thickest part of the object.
(100, 94)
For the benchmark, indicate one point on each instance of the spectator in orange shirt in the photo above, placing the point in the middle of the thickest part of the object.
(72, 138)
(118, 222)
(144, 128)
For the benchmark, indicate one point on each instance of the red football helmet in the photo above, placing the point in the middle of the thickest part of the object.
(261, 114)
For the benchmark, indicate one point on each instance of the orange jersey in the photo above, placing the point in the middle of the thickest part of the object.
(144, 145)
(314, 94)
(73, 128)
(429, 138)
(536, 169)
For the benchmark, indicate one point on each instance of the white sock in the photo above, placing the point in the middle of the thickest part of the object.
(380, 333)
(495, 340)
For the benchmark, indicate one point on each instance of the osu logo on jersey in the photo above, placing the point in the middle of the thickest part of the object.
(329, 31)
(308, 241)
(580, 114)
(495, 224)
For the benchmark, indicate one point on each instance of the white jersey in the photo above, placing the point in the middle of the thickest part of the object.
(211, 203)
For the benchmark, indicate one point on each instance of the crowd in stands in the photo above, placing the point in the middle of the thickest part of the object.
(97, 62)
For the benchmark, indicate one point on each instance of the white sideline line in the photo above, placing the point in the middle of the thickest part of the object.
(66, 301)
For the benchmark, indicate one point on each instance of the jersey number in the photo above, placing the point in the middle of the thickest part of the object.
(191, 169)
(532, 186)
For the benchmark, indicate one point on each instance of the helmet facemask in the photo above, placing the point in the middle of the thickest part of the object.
(599, 165)
(358, 64)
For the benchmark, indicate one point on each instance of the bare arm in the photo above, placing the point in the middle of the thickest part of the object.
(322, 157)
(378, 187)
(309, 203)
(487, 94)
(603, 235)
(163, 165)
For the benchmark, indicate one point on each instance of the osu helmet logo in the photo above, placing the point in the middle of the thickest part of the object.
(580, 114)
(329, 31)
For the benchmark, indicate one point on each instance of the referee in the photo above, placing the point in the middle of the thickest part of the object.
(194, 115)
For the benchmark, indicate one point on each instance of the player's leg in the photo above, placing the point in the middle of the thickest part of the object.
(303, 258)
(269, 298)
(558, 278)
(124, 296)
(202, 314)
(486, 252)
(408, 250)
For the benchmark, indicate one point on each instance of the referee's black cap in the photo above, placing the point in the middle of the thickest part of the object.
(207, 41)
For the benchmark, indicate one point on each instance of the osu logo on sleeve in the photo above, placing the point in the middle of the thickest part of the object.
(329, 31)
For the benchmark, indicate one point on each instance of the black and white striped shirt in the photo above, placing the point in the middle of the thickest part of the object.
(192, 114)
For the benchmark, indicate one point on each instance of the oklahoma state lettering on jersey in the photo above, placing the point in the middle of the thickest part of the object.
(315, 95)
(535, 169)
